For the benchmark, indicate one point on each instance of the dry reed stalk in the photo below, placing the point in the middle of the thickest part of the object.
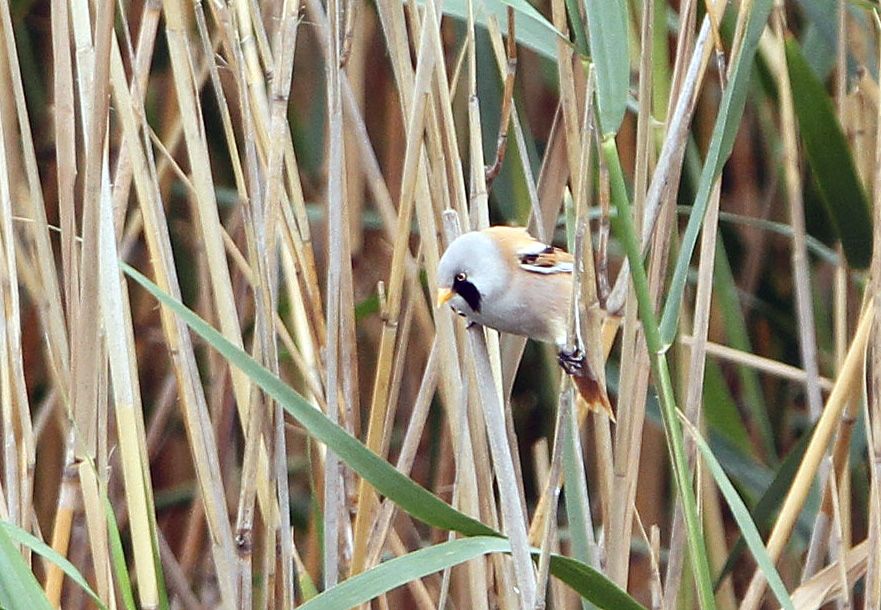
(65, 142)
(87, 352)
(846, 385)
(200, 167)
(506, 66)
(477, 456)
(51, 313)
(512, 510)
(140, 60)
(568, 95)
(426, 58)
(759, 363)
(717, 545)
(665, 178)
(609, 332)
(61, 528)
(695, 376)
(792, 177)
(595, 331)
(176, 577)
(120, 345)
(542, 467)
(873, 429)
(19, 456)
(257, 234)
(840, 472)
(194, 408)
(407, 455)
(826, 586)
(478, 196)
(628, 436)
(96, 527)
(872, 412)
(333, 491)
(478, 206)
(552, 492)
(631, 414)
(864, 158)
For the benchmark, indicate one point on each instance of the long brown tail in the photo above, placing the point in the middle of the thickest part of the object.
(593, 394)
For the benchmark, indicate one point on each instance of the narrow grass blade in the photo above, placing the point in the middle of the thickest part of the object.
(388, 481)
(831, 161)
(770, 501)
(744, 521)
(728, 301)
(727, 122)
(117, 556)
(407, 494)
(609, 48)
(18, 585)
(721, 410)
(573, 9)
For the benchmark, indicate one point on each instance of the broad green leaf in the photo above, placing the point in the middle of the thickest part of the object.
(388, 481)
(609, 48)
(20, 536)
(531, 28)
(18, 585)
(590, 584)
(412, 566)
(727, 123)
(831, 161)
(407, 494)
(401, 570)
(744, 521)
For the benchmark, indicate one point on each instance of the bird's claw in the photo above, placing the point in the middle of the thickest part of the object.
(572, 362)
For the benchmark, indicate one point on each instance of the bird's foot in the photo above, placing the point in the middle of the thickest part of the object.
(572, 361)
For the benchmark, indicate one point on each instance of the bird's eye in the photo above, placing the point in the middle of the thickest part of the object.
(461, 277)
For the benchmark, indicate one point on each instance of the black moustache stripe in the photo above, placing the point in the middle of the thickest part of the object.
(469, 292)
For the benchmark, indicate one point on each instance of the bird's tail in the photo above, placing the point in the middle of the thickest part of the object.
(593, 395)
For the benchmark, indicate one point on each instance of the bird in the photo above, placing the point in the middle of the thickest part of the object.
(504, 278)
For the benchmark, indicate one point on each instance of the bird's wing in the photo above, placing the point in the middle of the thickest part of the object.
(540, 258)
(531, 254)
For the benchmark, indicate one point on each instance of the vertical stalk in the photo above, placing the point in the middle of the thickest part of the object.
(623, 225)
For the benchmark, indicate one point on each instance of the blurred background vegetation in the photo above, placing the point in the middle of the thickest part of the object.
(282, 168)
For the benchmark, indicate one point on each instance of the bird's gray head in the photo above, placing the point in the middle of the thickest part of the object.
(470, 272)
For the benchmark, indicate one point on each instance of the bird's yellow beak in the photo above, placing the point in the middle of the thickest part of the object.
(444, 295)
